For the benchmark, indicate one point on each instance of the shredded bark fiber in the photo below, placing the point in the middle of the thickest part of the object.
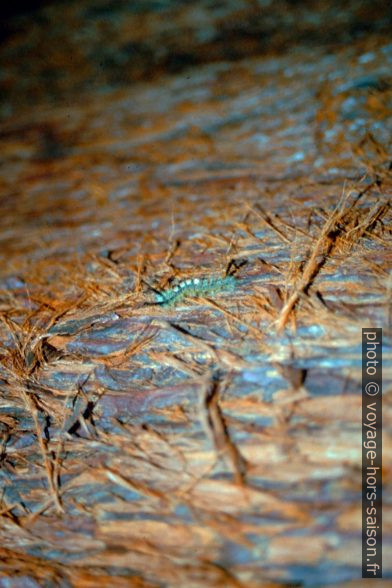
(217, 441)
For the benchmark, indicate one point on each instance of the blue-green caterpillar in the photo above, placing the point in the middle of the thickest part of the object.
(195, 287)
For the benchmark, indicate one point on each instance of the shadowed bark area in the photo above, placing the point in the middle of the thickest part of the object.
(215, 441)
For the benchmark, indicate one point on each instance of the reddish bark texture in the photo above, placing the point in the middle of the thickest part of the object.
(216, 442)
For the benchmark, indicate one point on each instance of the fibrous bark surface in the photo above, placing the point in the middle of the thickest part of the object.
(216, 442)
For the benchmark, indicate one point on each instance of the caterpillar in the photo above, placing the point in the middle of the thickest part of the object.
(195, 287)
